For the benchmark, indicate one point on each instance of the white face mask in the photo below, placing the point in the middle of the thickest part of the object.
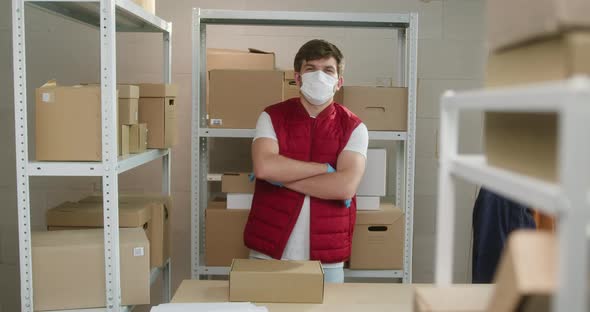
(318, 87)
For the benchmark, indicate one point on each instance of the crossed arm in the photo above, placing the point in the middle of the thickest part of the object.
(308, 177)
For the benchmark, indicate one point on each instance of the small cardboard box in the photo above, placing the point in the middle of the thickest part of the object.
(374, 180)
(291, 90)
(380, 108)
(456, 298)
(237, 97)
(224, 228)
(239, 201)
(138, 137)
(368, 203)
(70, 271)
(148, 5)
(234, 182)
(276, 281)
(159, 224)
(128, 111)
(513, 23)
(124, 143)
(526, 142)
(159, 113)
(527, 272)
(378, 241)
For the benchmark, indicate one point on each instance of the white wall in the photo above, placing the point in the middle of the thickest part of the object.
(451, 56)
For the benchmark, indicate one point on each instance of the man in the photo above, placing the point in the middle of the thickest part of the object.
(309, 157)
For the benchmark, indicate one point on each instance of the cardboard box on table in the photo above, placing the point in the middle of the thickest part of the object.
(380, 108)
(276, 281)
(456, 298)
(157, 108)
(378, 240)
(527, 142)
(514, 23)
(70, 270)
(237, 97)
(224, 234)
(159, 224)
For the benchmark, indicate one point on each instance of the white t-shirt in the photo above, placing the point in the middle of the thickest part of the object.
(298, 244)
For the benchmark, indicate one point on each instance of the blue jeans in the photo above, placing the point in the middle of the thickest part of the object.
(334, 275)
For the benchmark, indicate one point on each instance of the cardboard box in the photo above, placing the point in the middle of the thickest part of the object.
(148, 5)
(378, 240)
(522, 142)
(233, 182)
(252, 59)
(123, 138)
(374, 179)
(239, 201)
(159, 224)
(291, 90)
(89, 214)
(380, 108)
(527, 271)
(160, 116)
(138, 138)
(128, 111)
(513, 23)
(368, 203)
(68, 123)
(224, 234)
(237, 97)
(456, 298)
(124, 91)
(70, 272)
(157, 90)
(276, 281)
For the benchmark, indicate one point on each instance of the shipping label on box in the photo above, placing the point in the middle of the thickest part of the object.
(276, 281)
(373, 182)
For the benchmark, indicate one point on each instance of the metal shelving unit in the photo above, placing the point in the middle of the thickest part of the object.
(109, 16)
(567, 199)
(406, 26)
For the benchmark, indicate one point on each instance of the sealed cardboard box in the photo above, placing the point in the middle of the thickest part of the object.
(70, 271)
(252, 59)
(368, 203)
(234, 182)
(148, 5)
(513, 23)
(239, 201)
(456, 298)
(124, 140)
(374, 180)
(68, 123)
(224, 234)
(523, 142)
(237, 97)
(276, 281)
(378, 241)
(380, 108)
(159, 224)
(138, 136)
(157, 108)
(527, 273)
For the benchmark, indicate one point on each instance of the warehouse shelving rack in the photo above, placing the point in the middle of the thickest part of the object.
(110, 16)
(567, 199)
(406, 26)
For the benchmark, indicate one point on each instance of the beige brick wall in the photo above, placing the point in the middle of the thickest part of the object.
(451, 55)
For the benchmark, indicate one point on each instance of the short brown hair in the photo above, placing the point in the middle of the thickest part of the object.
(318, 49)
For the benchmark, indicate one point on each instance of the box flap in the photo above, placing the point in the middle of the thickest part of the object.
(457, 298)
(388, 214)
(253, 50)
(91, 214)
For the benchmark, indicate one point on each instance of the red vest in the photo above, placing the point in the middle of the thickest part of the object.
(276, 209)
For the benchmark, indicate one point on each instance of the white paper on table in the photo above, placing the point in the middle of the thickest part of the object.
(209, 307)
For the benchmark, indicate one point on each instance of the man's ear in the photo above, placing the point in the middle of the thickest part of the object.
(298, 80)
(340, 83)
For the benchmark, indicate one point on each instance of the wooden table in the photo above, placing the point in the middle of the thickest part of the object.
(348, 297)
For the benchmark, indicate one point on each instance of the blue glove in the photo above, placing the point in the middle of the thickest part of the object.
(330, 168)
(347, 203)
(252, 177)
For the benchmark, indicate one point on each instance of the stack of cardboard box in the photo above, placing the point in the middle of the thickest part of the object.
(74, 241)
(532, 42)
(128, 118)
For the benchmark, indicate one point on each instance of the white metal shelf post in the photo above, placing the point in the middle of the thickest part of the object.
(109, 16)
(566, 199)
(407, 26)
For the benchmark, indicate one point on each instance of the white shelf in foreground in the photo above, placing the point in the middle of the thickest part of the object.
(541, 195)
(92, 168)
(207, 270)
(249, 133)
